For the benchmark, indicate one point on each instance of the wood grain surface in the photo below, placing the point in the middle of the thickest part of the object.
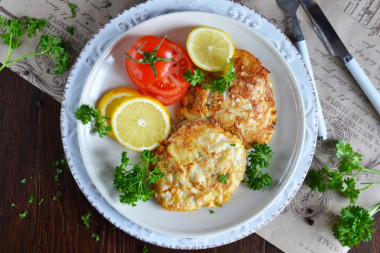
(30, 141)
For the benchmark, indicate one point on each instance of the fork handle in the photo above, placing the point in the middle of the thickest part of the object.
(302, 48)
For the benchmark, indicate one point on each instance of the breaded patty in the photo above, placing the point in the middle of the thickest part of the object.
(193, 159)
(247, 109)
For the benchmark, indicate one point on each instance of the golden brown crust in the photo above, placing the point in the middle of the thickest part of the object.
(247, 109)
(193, 159)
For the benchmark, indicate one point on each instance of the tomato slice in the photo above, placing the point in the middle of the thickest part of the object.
(164, 100)
(169, 81)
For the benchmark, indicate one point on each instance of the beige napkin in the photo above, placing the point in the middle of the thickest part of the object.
(304, 225)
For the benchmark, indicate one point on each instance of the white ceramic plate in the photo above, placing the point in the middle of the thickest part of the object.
(248, 210)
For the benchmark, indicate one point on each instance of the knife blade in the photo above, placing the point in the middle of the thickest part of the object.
(336, 47)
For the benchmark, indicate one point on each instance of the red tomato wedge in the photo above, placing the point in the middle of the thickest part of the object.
(169, 60)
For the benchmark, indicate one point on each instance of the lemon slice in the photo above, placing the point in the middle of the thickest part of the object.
(140, 123)
(112, 98)
(209, 48)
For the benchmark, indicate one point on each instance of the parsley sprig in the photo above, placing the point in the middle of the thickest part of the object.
(73, 9)
(340, 180)
(14, 30)
(353, 225)
(95, 237)
(220, 84)
(87, 113)
(258, 160)
(223, 178)
(23, 214)
(131, 182)
(86, 219)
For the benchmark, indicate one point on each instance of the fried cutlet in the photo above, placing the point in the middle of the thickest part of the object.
(247, 109)
(193, 160)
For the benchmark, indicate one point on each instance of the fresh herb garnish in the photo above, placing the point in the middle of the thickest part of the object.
(144, 249)
(57, 173)
(131, 182)
(258, 160)
(70, 30)
(23, 181)
(24, 214)
(86, 219)
(149, 57)
(233, 144)
(31, 199)
(54, 198)
(354, 225)
(211, 211)
(96, 237)
(86, 113)
(218, 84)
(109, 4)
(339, 180)
(72, 8)
(198, 77)
(15, 29)
(223, 178)
(13, 204)
(40, 202)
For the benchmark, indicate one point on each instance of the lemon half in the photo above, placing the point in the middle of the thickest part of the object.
(209, 48)
(140, 122)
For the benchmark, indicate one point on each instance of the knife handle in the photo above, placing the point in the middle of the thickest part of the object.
(364, 83)
(302, 48)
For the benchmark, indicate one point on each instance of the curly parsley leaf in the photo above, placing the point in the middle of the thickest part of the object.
(258, 160)
(223, 178)
(87, 113)
(24, 214)
(340, 180)
(95, 237)
(57, 49)
(72, 8)
(219, 85)
(86, 219)
(353, 225)
(15, 29)
(131, 182)
(70, 30)
(194, 78)
(145, 249)
(31, 199)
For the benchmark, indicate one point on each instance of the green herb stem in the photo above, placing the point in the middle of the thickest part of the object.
(374, 209)
(14, 49)
(371, 170)
(368, 185)
(19, 59)
(9, 51)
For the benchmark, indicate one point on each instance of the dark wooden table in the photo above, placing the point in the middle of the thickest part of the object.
(30, 142)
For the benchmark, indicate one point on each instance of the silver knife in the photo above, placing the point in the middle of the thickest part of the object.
(336, 47)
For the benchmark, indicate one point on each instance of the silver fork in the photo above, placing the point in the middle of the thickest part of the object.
(291, 7)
